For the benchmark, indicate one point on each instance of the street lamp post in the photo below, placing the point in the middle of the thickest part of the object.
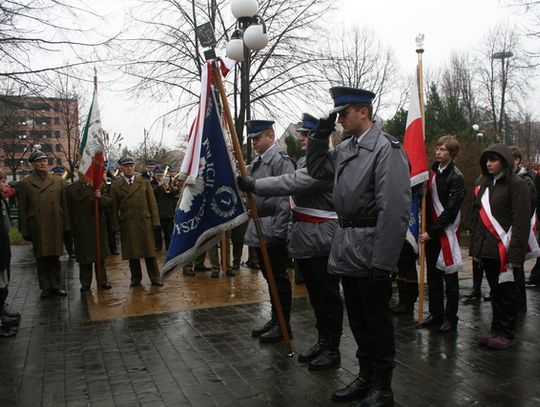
(502, 56)
(250, 34)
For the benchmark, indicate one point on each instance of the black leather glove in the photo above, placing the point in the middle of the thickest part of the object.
(246, 183)
(325, 127)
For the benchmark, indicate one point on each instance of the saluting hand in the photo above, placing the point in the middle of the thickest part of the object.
(325, 127)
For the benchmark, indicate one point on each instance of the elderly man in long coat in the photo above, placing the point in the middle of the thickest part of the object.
(80, 200)
(135, 214)
(43, 221)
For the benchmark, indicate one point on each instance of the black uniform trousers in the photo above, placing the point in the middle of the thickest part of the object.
(279, 258)
(370, 320)
(166, 229)
(324, 296)
(85, 274)
(49, 273)
(437, 280)
(151, 269)
(504, 299)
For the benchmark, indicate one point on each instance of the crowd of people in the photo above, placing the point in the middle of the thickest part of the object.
(341, 213)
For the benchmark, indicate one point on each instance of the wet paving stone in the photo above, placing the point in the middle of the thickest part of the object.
(63, 355)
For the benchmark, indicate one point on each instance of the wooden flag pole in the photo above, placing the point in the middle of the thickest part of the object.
(422, 248)
(223, 252)
(254, 215)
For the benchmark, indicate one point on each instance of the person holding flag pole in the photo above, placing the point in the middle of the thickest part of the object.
(86, 201)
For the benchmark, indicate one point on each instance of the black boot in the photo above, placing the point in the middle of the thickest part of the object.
(311, 353)
(407, 294)
(329, 356)
(256, 332)
(8, 319)
(380, 394)
(359, 387)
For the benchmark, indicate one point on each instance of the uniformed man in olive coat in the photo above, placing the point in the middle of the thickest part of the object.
(43, 221)
(310, 239)
(80, 201)
(372, 197)
(274, 215)
(134, 215)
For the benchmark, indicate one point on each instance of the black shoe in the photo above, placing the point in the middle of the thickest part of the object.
(380, 394)
(157, 283)
(531, 283)
(310, 354)
(251, 265)
(7, 331)
(236, 266)
(10, 321)
(202, 268)
(135, 285)
(356, 390)
(326, 360)
(403, 308)
(84, 289)
(10, 314)
(215, 274)
(231, 272)
(448, 326)
(474, 295)
(273, 335)
(59, 292)
(189, 272)
(431, 321)
(487, 298)
(265, 328)
(106, 286)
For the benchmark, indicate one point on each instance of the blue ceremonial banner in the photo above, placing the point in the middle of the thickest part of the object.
(210, 202)
(414, 218)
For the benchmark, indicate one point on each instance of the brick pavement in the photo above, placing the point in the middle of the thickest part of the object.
(205, 357)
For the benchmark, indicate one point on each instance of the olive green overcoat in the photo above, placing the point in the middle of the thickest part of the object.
(134, 214)
(80, 203)
(43, 214)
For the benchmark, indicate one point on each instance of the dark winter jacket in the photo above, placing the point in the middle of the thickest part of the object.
(528, 177)
(451, 191)
(510, 205)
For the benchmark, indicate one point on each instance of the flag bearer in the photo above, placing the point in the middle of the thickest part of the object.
(274, 216)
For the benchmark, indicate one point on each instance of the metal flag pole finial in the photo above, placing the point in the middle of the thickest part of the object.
(420, 43)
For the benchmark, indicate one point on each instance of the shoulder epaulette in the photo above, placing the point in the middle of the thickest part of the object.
(287, 156)
(393, 141)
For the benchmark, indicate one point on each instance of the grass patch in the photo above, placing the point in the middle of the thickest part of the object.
(16, 238)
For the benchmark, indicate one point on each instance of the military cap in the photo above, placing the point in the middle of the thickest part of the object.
(308, 122)
(344, 96)
(126, 161)
(37, 155)
(159, 171)
(58, 169)
(173, 169)
(150, 163)
(256, 127)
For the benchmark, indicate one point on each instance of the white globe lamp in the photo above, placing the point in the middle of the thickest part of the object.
(255, 37)
(235, 49)
(244, 8)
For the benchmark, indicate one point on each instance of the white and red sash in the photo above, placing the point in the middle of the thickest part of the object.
(449, 259)
(311, 215)
(503, 237)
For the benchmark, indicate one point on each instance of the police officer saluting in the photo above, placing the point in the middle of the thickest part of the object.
(309, 244)
(372, 197)
(274, 216)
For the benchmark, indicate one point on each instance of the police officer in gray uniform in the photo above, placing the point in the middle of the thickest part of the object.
(274, 216)
(314, 224)
(372, 197)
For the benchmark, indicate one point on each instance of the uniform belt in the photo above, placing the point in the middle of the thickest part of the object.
(357, 222)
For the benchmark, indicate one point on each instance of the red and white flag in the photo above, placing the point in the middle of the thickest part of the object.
(91, 149)
(413, 140)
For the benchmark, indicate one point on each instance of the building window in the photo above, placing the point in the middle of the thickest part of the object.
(58, 148)
(50, 161)
(56, 120)
(59, 161)
(44, 121)
(39, 106)
(57, 133)
(46, 148)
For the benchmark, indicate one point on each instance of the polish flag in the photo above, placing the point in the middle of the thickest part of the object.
(413, 140)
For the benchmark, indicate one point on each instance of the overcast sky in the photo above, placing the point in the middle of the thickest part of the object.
(448, 26)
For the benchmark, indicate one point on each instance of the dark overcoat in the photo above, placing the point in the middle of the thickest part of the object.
(80, 203)
(134, 214)
(43, 214)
